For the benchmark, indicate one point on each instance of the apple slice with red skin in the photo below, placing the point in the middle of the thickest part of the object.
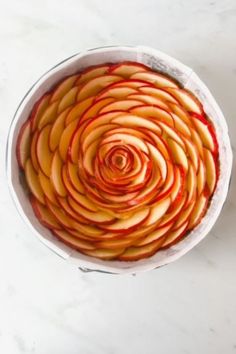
(201, 177)
(198, 211)
(84, 230)
(43, 153)
(47, 187)
(72, 241)
(155, 235)
(135, 84)
(62, 218)
(150, 100)
(173, 213)
(63, 87)
(78, 110)
(44, 215)
(158, 93)
(206, 133)
(116, 92)
(181, 126)
(136, 253)
(121, 242)
(105, 254)
(191, 184)
(49, 115)
(159, 159)
(122, 105)
(33, 154)
(92, 72)
(133, 222)
(181, 112)
(88, 138)
(92, 87)
(69, 99)
(66, 139)
(175, 235)
(178, 154)
(56, 175)
(157, 79)
(192, 153)
(187, 99)
(96, 107)
(158, 113)
(33, 181)
(183, 216)
(63, 202)
(196, 140)
(23, 144)
(211, 170)
(158, 211)
(38, 110)
(131, 120)
(171, 132)
(126, 69)
(72, 171)
(57, 130)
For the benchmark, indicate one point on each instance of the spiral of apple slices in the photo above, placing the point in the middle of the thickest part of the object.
(120, 161)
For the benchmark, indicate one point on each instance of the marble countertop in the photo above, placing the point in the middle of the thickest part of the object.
(46, 305)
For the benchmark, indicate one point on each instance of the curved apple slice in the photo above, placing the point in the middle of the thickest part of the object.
(155, 235)
(191, 183)
(158, 93)
(174, 236)
(198, 211)
(78, 110)
(23, 144)
(184, 216)
(126, 69)
(201, 177)
(204, 132)
(92, 87)
(181, 112)
(150, 100)
(186, 98)
(57, 130)
(174, 212)
(192, 152)
(72, 241)
(211, 176)
(61, 90)
(66, 139)
(147, 111)
(38, 110)
(197, 142)
(74, 177)
(104, 253)
(181, 126)
(93, 135)
(131, 120)
(135, 84)
(62, 218)
(44, 155)
(47, 187)
(33, 181)
(178, 154)
(121, 242)
(63, 203)
(44, 215)
(125, 224)
(56, 175)
(96, 107)
(157, 211)
(122, 105)
(33, 155)
(172, 133)
(68, 99)
(116, 92)
(158, 80)
(159, 159)
(92, 73)
(127, 139)
(136, 253)
(49, 115)
(89, 231)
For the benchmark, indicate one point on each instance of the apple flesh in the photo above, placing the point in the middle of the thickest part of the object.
(23, 144)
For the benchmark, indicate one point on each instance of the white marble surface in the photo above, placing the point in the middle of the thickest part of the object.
(47, 306)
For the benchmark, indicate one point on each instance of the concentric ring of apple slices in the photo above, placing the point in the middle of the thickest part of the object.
(120, 161)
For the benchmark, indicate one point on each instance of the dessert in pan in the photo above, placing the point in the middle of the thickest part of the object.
(120, 161)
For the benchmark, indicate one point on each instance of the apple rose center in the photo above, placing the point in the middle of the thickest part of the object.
(120, 161)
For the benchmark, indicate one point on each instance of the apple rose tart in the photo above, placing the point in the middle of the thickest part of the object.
(120, 161)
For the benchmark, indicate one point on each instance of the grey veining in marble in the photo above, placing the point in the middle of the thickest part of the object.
(47, 306)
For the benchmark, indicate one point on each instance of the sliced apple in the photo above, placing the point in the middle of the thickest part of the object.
(192, 152)
(72, 241)
(173, 214)
(158, 80)
(78, 110)
(47, 187)
(126, 69)
(198, 211)
(153, 112)
(186, 98)
(181, 126)
(61, 90)
(96, 107)
(131, 120)
(44, 155)
(197, 142)
(136, 253)
(179, 155)
(150, 100)
(105, 254)
(157, 211)
(159, 159)
(135, 84)
(68, 99)
(201, 177)
(116, 92)
(184, 215)
(56, 175)
(74, 177)
(33, 154)
(155, 235)
(33, 181)
(158, 93)
(38, 110)
(191, 183)
(92, 73)
(211, 176)
(172, 133)
(49, 115)
(44, 215)
(57, 130)
(121, 242)
(175, 235)
(95, 134)
(204, 132)
(23, 144)
(122, 105)
(125, 224)
(66, 139)
(92, 87)
(60, 215)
